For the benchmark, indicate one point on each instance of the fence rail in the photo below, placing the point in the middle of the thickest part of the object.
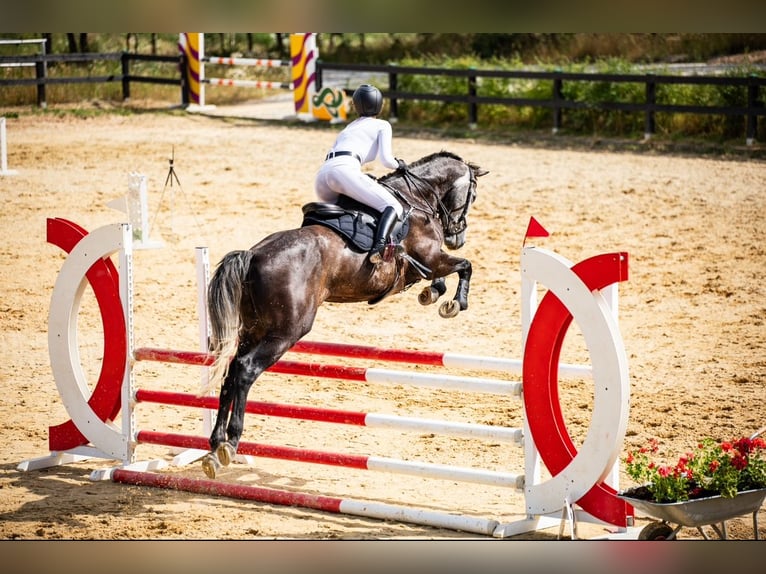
(557, 103)
(43, 78)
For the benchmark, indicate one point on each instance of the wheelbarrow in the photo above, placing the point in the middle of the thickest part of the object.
(712, 511)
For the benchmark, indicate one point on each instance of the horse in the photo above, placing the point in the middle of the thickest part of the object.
(261, 301)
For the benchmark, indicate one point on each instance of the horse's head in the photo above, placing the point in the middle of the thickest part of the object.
(446, 185)
(456, 202)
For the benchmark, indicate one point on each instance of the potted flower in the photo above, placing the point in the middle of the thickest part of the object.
(713, 468)
(708, 485)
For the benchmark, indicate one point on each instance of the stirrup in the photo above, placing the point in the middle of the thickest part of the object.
(386, 254)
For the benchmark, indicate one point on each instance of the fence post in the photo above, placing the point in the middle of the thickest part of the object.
(393, 86)
(125, 76)
(40, 69)
(473, 114)
(558, 96)
(183, 67)
(651, 101)
(752, 102)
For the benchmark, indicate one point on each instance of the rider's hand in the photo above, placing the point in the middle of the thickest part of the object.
(402, 164)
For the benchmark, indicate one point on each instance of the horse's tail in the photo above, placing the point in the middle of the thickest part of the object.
(224, 294)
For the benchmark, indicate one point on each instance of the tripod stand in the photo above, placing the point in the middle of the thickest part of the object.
(172, 178)
(172, 172)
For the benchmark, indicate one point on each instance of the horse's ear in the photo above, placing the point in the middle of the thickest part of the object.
(477, 171)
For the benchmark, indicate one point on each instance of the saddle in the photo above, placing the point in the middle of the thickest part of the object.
(352, 220)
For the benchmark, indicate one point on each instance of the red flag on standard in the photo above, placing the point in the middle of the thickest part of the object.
(534, 229)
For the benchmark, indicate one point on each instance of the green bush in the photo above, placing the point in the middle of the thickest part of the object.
(585, 119)
(608, 122)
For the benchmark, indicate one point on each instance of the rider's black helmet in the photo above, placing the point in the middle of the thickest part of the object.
(368, 100)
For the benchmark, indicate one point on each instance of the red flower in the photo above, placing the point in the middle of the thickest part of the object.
(739, 462)
(744, 445)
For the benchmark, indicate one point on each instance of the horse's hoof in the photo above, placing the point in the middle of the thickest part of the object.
(449, 309)
(428, 296)
(225, 453)
(210, 465)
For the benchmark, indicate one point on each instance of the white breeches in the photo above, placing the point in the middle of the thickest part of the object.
(345, 177)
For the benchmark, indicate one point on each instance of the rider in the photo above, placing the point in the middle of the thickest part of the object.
(362, 141)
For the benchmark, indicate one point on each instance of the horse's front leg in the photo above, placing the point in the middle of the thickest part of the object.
(459, 302)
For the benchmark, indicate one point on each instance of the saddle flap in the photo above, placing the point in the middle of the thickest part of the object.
(352, 220)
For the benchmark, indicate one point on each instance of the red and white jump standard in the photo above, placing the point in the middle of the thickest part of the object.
(582, 480)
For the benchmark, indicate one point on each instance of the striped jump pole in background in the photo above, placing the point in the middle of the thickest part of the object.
(257, 62)
(266, 85)
(261, 62)
(329, 103)
(578, 477)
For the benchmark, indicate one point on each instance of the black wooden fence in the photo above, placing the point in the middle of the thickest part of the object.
(557, 103)
(43, 78)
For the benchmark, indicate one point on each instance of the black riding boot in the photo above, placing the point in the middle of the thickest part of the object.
(382, 234)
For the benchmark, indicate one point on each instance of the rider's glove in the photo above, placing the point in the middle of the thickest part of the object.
(402, 164)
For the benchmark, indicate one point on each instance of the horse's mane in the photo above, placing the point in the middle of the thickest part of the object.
(424, 160)
(433, 156)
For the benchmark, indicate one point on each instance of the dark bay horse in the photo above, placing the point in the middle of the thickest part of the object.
(263, 300)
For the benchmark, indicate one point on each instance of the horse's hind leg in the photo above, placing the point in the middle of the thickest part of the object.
(250, 366)
(211, 462)
(245, 368)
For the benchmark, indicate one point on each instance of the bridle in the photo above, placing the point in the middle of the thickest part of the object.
(452, 225)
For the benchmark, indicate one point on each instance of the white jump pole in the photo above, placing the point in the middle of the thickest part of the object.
(4, 151)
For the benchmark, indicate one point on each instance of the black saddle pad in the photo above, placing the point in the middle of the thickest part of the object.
(352, 220)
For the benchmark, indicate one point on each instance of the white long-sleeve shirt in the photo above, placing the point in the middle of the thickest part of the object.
(368, 138)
